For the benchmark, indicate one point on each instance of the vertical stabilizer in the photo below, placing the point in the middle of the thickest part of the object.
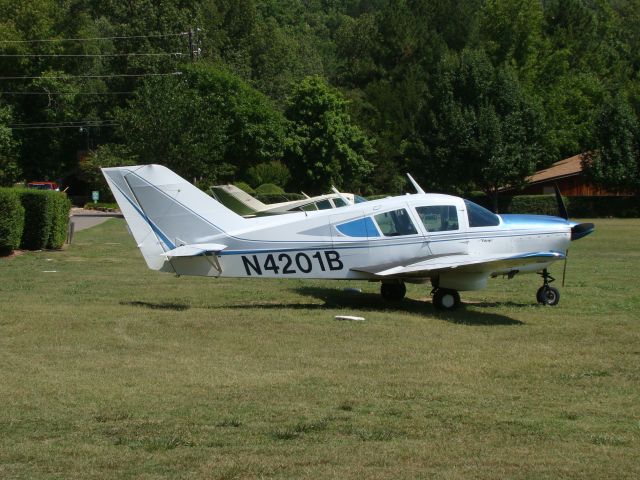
(164, 211)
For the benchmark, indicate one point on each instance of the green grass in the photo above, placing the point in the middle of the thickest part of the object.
(110, 370)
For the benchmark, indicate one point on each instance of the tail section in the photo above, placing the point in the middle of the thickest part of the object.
(165, 212)
(237, 200)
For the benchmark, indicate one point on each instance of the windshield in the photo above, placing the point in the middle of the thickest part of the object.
(480, 216)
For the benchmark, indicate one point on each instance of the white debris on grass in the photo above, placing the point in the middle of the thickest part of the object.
(350, 318)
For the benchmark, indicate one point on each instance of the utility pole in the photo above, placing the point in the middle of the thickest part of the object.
(191, 52)
(194, 44)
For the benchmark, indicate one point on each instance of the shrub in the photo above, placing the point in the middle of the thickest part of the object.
(245, 188)
(11, 220)
(46, 219)
(535, 204)
(38, 217)
(274, 172)
(60, 220)
(101, 206)
(621, 207)
(269, 189)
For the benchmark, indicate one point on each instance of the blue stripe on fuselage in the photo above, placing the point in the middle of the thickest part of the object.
(513, 220)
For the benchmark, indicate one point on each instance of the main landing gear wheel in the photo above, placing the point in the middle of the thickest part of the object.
(546, 294)
(393, 291)
(446, 299)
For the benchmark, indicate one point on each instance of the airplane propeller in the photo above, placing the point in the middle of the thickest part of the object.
(562, 209)
(577, 231)
(562, 212)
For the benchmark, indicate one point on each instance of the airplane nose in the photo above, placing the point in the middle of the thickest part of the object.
(581, 230)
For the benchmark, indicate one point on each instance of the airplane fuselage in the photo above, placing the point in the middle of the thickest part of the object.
(347, 243)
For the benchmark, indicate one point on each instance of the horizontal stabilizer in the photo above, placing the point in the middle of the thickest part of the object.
(194, 250)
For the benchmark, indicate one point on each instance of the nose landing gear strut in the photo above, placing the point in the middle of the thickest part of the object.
(547, 295)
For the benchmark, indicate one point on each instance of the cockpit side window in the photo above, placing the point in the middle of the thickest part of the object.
(395, 223)
(480, 216)
(439, 218)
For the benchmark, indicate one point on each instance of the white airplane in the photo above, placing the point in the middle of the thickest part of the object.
(453, 243)
(246, 205)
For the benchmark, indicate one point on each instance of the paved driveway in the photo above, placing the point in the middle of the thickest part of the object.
(84, 219)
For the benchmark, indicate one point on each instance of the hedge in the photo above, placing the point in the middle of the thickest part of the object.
(101, 206)
(46, 219)
(11, 220)
(60, 224)
(577, 207)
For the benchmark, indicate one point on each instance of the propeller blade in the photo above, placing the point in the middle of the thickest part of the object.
(564, 269)
(562, 209)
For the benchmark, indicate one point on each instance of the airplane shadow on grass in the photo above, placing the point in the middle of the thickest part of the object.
(337, 298)
(370, 302)
(360, 302)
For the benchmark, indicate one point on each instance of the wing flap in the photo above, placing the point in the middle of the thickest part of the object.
(474, 263)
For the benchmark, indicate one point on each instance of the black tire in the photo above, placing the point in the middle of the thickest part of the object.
(446, 299)
(547, 295)
(393, 291)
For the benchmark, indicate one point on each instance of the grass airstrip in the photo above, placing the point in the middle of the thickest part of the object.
(110, 370)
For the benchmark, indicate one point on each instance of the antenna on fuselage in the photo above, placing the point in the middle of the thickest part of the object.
(415, 184)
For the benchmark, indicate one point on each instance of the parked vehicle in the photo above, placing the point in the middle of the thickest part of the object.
(44, 186)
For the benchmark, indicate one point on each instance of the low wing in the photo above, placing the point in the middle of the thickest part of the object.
(464, 263)
(193, 250)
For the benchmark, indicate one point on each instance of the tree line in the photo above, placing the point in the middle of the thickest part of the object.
(464, 94)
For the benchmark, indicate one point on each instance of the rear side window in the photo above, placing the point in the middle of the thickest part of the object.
(395, 223)
(439, 218)
(309, 207)
(324, 205)
(480, 216)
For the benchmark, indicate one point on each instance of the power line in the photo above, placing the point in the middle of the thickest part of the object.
(69, 122)
(64, 126)
(95, 76)
(51, 40)
(36, 55)
(67, 93)
(48, 127)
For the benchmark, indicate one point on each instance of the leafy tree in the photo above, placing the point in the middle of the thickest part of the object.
(108, 155)
(9, 170)
(511, 30)
(614, 162)
(206, 124)
(325, 148)
(484, 132)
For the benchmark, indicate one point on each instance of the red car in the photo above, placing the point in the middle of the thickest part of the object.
(44, 186)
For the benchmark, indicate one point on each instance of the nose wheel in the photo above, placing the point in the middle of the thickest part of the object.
(546, 294)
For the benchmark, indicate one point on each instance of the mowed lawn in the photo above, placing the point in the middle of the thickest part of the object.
(110, 370)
